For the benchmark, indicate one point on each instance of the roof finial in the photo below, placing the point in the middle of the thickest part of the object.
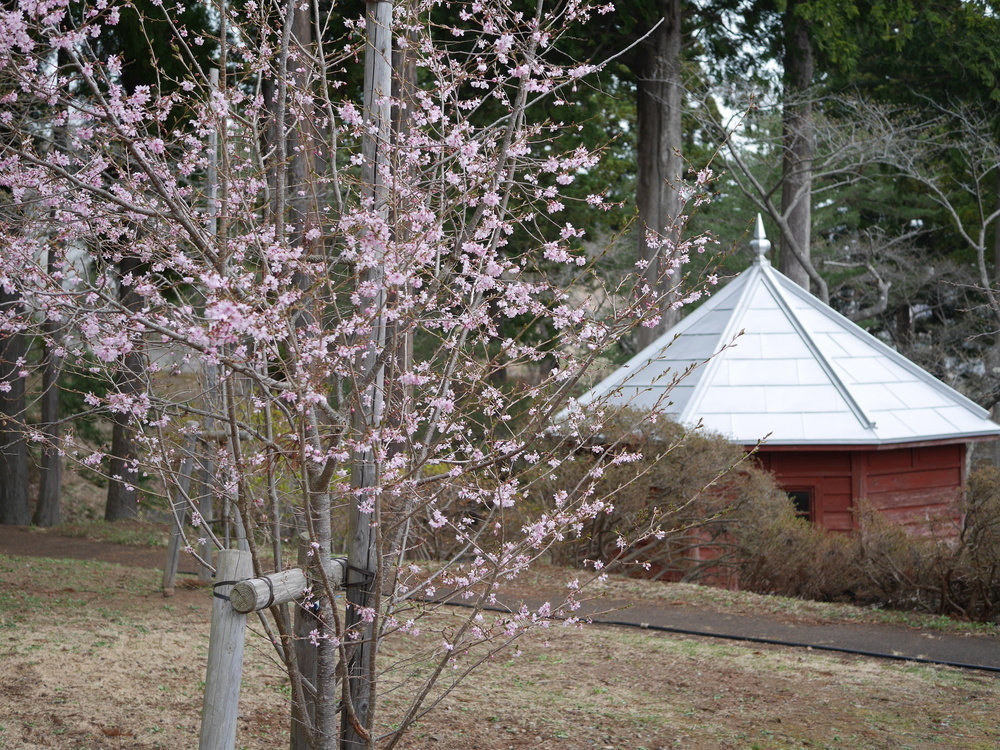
(760, 244)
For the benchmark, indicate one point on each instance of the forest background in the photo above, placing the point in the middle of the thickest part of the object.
(866, 134)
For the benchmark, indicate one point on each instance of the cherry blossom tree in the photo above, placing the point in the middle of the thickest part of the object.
(348, 289)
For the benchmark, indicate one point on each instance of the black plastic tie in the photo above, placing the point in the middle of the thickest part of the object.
(215, 592)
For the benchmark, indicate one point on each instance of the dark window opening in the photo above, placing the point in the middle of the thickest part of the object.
(803, 501)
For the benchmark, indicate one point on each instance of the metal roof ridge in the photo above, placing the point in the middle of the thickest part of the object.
(773, 280)
(912, 367)
(652, 352)
(727, 338)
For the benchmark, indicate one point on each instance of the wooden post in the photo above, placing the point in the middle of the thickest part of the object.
(275, 588)
(282, 587)
(305, 655)
(206, 506)
(225, 655)
(179, 511)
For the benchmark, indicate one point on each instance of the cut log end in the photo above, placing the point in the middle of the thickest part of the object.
(243, 597)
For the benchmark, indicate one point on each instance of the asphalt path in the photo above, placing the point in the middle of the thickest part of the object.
(889, 641)
(897, 641)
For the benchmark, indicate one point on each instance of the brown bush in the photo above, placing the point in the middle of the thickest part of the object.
(673, 507)
(777, 552)
(944, 569)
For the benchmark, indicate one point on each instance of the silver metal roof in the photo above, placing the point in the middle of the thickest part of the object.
(768, 358)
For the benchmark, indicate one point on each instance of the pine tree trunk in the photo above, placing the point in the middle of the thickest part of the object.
(659, 97)
(14, 505)
(368, 412)
(48, 511)
(123, 491)
(799, 142)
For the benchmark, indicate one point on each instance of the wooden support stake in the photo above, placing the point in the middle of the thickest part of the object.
(280, 588)
(368, 412)
(206, 506)
(305, 656)
(179, 508)
(225, 655)
(275, 588)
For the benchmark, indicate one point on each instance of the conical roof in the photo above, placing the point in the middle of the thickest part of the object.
(765, 357)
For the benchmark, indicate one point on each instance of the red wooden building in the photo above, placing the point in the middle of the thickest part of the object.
(906, 483)
(842, 416)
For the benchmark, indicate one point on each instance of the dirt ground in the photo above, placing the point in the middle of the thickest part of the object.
(93, 657)
(24, 540)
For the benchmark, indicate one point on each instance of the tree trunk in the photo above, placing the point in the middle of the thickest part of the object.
(47, 511)
(659, 169)
(123, 492)
(799, 143)
(302, 140)
(14, 506)
(404, 92)
(368, 412)
(993, 353)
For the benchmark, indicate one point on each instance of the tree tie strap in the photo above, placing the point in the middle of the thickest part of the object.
(369, 576)
(270, 589)
(224, 597)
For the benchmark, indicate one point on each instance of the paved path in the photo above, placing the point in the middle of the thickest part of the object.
(895, 640)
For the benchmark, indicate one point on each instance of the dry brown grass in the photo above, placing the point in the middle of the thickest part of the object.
(92, 657)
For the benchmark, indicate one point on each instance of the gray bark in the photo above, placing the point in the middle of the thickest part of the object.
(363, 562)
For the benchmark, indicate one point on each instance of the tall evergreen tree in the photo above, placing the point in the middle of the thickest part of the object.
(14, 505)
(152, 60)
(656, 66)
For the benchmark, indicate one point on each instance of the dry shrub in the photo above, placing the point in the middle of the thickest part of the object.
(945, 570)
(777, 552)
(939, 568)
(672, 508)
(696, 507)
(981, 541)
(898, 566)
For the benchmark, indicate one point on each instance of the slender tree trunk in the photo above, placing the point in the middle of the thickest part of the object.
(316, 716)
(993, 353)
(404, 90)
(48, 510)
(123, 491)
(14, 506)
(799, 143)
(660, 166)
(302, 208)
(368, 412)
